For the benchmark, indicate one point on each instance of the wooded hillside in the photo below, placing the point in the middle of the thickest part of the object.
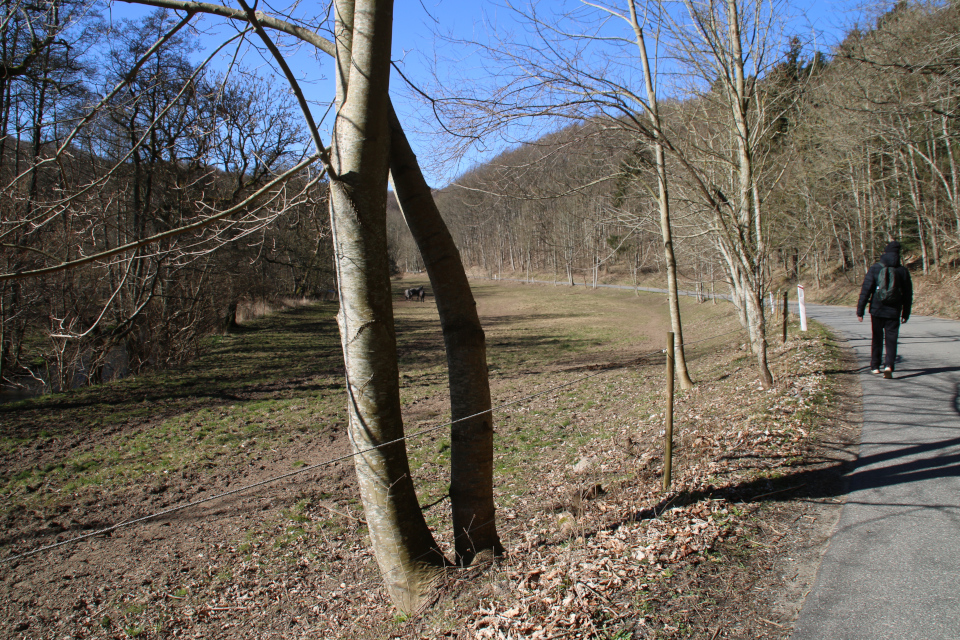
(853, 147)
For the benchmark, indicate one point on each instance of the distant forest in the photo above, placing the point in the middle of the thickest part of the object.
(853, 147)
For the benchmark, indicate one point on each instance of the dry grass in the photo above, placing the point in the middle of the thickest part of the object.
(249, 310)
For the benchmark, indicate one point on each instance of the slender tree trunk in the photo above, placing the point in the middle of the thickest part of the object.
(3, 330)
(409, 558)
(921, 236)
(935, 238)
(748, 214)
(861, 225)
(663, 201)
(954, 177)
(471, 448)
(918, 206)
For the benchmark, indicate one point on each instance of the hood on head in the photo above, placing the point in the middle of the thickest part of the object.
(890, 259)
(893, 247)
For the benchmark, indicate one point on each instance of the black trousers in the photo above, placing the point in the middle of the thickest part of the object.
(885, 334)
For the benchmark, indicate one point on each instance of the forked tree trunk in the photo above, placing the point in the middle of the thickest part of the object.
(406, 552)
(471, 437)
(405, 549)
(749, 307)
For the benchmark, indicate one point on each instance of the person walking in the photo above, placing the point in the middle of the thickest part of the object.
(889, 290)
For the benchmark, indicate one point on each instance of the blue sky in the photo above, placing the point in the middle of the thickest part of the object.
(417, 24)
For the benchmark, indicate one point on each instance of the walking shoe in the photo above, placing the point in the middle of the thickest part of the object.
(874, 370)
(888, 373)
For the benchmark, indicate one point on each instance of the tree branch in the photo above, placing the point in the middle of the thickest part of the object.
(166, 234)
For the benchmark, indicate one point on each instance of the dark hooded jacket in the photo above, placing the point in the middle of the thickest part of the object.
(890, 258)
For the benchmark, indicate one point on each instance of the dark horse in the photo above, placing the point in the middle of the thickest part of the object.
(418, 293)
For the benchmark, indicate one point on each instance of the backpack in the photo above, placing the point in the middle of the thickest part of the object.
(888, 291)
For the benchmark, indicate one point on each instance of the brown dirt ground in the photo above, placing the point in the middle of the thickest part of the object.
(595, 548)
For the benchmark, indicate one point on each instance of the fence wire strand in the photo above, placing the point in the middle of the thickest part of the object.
(347, 456)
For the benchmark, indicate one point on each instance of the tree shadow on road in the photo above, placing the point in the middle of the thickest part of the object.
(915, 373)
(829, 479)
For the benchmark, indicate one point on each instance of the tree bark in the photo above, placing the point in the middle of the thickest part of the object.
(749, 251)
(409, 559)
(471, 437)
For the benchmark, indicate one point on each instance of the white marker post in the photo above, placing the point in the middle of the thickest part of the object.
(803, 308)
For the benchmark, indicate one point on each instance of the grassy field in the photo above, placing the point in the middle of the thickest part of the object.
(291, 559)
(276, 379)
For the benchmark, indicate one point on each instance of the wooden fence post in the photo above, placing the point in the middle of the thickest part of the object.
(785, 313)
(668, 417)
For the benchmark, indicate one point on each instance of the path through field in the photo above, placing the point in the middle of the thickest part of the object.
(892, 569)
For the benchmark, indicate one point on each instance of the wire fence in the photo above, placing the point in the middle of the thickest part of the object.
(699, 295)
(348, 456)
(656, 511)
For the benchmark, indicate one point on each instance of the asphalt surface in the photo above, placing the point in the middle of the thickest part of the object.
(892, 567)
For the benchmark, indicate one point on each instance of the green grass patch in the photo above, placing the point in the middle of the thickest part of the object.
(220, 409)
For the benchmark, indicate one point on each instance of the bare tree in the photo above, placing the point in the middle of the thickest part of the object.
(409, 558)
(719, 145)
(140, 187)
(574, 69)
(663, 200)
(356, 164)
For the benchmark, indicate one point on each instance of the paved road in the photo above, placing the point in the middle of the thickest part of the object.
(892, 569)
